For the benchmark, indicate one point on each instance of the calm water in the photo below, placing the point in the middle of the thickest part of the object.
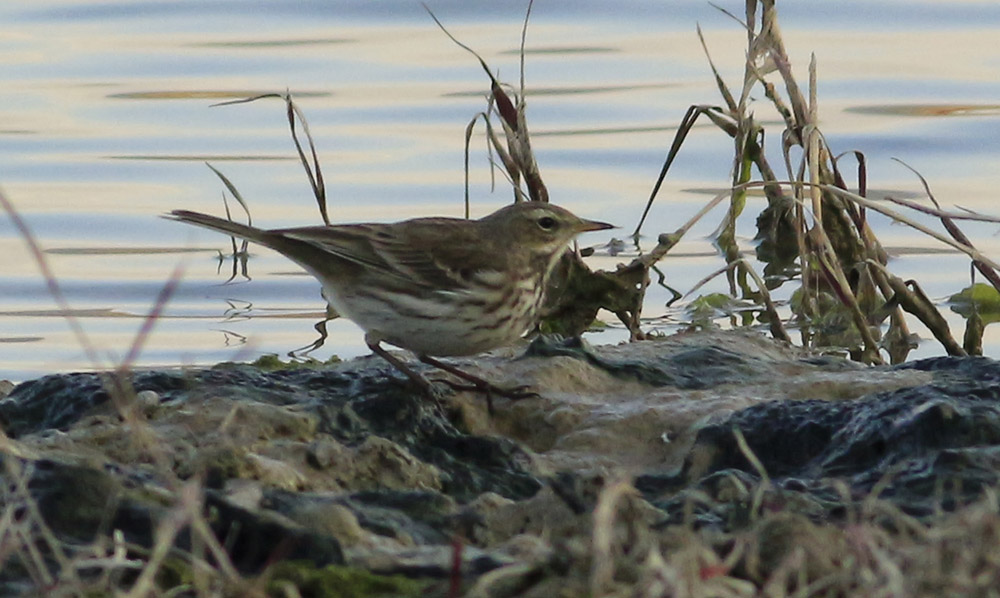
(106, 120)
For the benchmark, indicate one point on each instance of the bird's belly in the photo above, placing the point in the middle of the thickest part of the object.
(438, 325)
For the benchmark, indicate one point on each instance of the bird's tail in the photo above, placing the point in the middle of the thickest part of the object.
(221, 225)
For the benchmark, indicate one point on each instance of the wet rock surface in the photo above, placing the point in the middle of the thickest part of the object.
(346, 464)
(932, 446)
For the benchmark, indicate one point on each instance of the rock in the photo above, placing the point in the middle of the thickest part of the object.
(346, 464)
(79, 503)
(911, 443)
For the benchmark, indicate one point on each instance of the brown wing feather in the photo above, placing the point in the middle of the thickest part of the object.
(429, 252)
(387, 249)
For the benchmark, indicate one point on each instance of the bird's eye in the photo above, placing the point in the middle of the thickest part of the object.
(547, 222)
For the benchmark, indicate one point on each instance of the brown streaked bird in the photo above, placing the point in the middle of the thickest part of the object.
(438, 287)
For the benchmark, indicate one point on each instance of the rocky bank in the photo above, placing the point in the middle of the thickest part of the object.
(341, 475)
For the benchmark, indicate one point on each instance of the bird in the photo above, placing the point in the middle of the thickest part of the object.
(438, 287)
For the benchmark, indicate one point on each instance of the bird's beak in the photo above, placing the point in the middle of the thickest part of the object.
(591, 225)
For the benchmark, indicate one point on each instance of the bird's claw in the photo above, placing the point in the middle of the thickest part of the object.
(519, 392)
(515, 393)
(475, 383)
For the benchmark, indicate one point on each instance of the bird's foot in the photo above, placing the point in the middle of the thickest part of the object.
(513, 393)
(468, 381)
(475, 383)
(435, 392)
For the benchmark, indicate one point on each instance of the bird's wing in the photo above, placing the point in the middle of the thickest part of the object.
(431, 250)
(388, 250)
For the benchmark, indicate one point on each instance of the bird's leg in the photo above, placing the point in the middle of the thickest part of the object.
(423, 383)
(484, 386)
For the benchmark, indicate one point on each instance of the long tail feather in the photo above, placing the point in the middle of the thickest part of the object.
(221, 225)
